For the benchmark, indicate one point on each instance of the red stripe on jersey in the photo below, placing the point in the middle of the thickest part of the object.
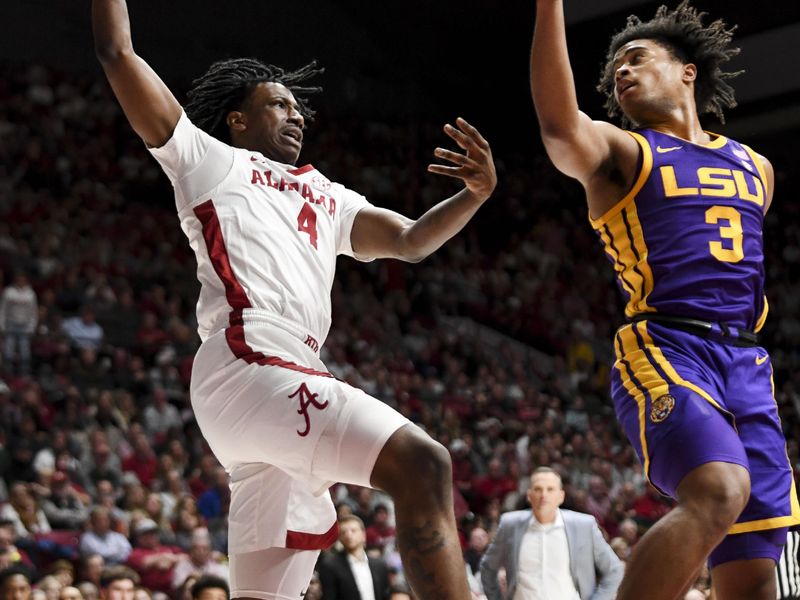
(301, 170)
(295, 540)
(218, 253)
(240, 349)
(237, 298)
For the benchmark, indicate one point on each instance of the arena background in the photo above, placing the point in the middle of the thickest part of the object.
(499, 343)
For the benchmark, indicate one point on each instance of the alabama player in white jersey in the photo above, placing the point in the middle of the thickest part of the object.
(266, 235)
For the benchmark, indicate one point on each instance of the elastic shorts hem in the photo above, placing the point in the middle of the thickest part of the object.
(756, 555)
(675, 479)
(375, 451)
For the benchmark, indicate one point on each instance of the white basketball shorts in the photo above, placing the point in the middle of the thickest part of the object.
(285, 430)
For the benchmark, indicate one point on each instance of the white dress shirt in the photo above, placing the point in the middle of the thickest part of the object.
(543, 572)
(363, 576)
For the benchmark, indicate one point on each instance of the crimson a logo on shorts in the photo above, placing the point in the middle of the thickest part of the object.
(661, 408)
(307, 399)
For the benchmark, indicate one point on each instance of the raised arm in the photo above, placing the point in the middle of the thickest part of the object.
(381, 233)
(151, 108)
(578, 146)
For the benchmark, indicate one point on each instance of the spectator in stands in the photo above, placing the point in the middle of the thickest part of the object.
(91, 568)
(200, 561)
(69, 592)
(210, 587)
(10, 555)
(186, 519)
(154, 509)
(50, 586)
(83, 332)
(476, 548)
(160, 417)
(15, 584)
(154, 562)
(118, 582)
(629, 531)
(100, 539)
(64, 508)
(214, 502)
(62, 570)
(380, 533)
(24, 512)
(351, 574)
(494, 485)
(650, 506)
(89, 591)
(18, 316)
(142, 461)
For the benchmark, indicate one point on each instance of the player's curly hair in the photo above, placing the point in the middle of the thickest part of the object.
(227, 84)
(681, 31)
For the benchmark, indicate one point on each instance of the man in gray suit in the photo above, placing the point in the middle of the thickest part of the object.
(549, 553)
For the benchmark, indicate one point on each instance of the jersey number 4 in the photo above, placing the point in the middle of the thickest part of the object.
(732, 231)
(307, 223)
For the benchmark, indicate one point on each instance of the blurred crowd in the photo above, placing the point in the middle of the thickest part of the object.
(101, 461)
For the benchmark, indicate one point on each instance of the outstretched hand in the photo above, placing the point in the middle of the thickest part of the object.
(475, 167)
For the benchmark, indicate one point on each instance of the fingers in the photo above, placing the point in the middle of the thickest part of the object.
(475, 166)
(454, 157)
(466, 136)
(456, 172)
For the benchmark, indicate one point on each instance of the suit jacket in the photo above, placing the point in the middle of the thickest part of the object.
(339, 583)
(595, 568)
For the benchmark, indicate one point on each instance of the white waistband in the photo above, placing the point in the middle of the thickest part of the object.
(258, 315)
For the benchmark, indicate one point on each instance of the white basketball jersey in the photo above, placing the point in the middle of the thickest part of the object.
(266, 235)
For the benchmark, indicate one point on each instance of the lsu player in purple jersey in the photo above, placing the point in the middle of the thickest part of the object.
(266, 235)
(680, 211)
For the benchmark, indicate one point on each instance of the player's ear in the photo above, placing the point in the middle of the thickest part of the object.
(236, 121)
(689, 72)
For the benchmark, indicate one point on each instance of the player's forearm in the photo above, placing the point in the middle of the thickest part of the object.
(428, 233)
(111, 28)
(552, 83)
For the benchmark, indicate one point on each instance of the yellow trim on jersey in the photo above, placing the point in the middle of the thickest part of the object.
(628, 239)
(670, 371)
(760, 168)
(644, 173)
(619, 267)
(717, 142)
(634, 392)
(763, 318)
(648, 283)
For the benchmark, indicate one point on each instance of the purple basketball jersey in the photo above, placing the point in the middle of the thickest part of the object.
(686, 240)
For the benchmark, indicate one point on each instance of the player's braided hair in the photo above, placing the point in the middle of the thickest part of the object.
(681, 31)
(227, 84)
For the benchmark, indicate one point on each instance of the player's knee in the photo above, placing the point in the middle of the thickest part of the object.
(412, 464)
(718, 495)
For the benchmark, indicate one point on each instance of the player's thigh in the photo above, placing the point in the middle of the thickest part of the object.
(350, 444)
(272, 574)
(749, 579)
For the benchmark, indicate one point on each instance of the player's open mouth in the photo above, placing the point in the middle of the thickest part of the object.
(623, 86)
(294, 134)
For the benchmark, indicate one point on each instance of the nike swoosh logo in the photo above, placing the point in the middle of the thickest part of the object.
(661, 150)
(760, 360)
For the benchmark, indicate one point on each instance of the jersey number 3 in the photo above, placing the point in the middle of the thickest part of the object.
(307, 223)
(732, 231)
